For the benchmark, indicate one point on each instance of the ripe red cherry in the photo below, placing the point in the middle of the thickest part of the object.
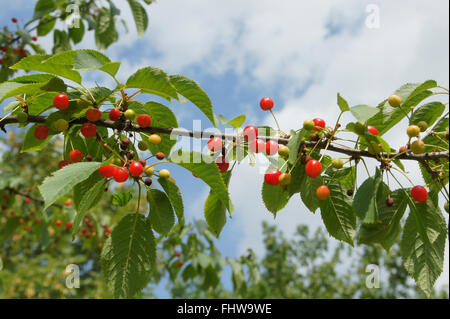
(272, 177)
(41, 132)
(68, 225)
(257, 145)
(323, 192)
(93, 115)
(58, 223)
(61, 164)
(222, 164)
(136, 169)
(37, 221)
(88, 130)
(318, 123)
(35, 38)
(372, 129)
(27, 228)
(27, 199)
(108, 231)
(14, 20)
(144, 120)
(419, 193)
(177, 254)
(215, 144)
(6, 197)
(179, 264)
(106, 171)
(120, 174)
(266, 103)
(114, 114)
(68, 202)
(23, 52)
(313, 168)
(76, 156)
(61, 102)
(4, 48)
(21, 221)
(4, 207)
(1, 61)
(250, 132)
(271, 147)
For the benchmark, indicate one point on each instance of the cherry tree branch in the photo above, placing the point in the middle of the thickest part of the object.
(39, 200)
(129, 127)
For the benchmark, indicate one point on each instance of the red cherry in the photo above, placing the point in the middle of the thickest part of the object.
(266, 103)
(250, 132)
(61, 164)
(4, 48)
(93, 115)
(23, 52)
(68, 202)
(372, 129)
(76, 156)
(215, 144)
(27, 228)
(318, 123)
(271, 147)
(14, 20)
(84, 231)
(323, 192)
(37, 221)
(21, 221)
(177, 254)
(41, 132)
(61, 101)
(27, 199)
(88, 130)
(272, 177)
(313, 168)
(108, 231)
(222, 164)
(58, 223)
(68, 225)
(16, 50)
(87, 220)
(419, 193)
(4, 207)
(144, 120)
(114, 114)
(35, 38)
(1, 61)
(106, 171)
(179, 264)
(257, 146)
(136, 169)
(120, 174)
(6, 197)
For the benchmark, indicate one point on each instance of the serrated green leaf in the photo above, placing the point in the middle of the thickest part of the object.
(45, 28)
(190, 90)
(237, 121)
(105, 29)
(365, 200)
(423, 243)
(140, 16)
(363, 112)
(43, 7)
(61, 41)
(215, 211)
(153, 81)
(342, 103)
(274, 197)
(128, 256)
(174, 195)
(122, 199)
(308, 191)
(63, 180)
(161, 214)
(76, 33)
(429, 113)
(294, 144)
(338, 214)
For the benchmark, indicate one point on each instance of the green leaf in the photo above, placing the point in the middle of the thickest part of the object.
(429, 113)
(365, 200)
(89, 199)
(363, 112)
(190, 90)
(140, 16)
(206, 171)
(237, 121)
(61, 41)
(105, 29)
(121, 199)
(343, 105)
(294, 144)
(411, 94)
(153, 81)
(338, 214)
(423, 243)
(43, 7)
(45, 28)
(274, 197)
(31, 143)
(77, 33)
(81, 189)
(308, 191)
(128, 256)
(161, 214)
(63, 180)
(174, 195)
(298, 174)
(215, 210)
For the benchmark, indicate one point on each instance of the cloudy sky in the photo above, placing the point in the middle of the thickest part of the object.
(300, 53)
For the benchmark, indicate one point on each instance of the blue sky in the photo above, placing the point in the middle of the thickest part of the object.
(300, 53)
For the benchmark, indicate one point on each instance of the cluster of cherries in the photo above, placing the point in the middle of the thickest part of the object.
(9, 53)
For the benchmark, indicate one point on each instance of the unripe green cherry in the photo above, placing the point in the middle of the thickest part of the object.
(423, 126)
(130, 115)
(164, 173)
(309, 125)
(60, 125)
(22, 117)
(285, 178)
(142, 146)
(418, 147)
(283, 151)
(82, 103)
(413, 131)
(117, 161)
(395, 100)
(337, 163)
(149, 170)
(446, 207)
